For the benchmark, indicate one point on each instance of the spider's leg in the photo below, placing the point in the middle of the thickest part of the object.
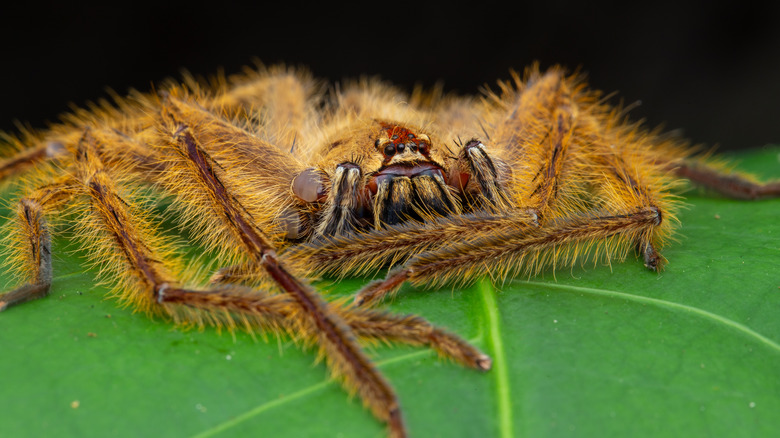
(516, 250)
(625, 174)
(29, 157)
(628, 186)
(185, 128)
(373, 325)
(369, 324)
(22, 161)
(32, 241)
(574, 154)
(149, 266)
(732, 185)
(128, 151)
(364, 253)
(237, 274)
(534, 135)
(413, 330)
(285, 98)
(142, 265)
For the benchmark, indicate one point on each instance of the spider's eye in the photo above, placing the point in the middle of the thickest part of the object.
(425, 143)
(400, 148)
(385, 146)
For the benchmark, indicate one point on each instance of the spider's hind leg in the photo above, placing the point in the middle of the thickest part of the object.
(732, 185)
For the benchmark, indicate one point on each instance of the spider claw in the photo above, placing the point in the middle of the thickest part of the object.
(485, 363)
(651, 257)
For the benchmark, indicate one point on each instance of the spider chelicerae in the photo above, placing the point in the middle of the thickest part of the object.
(280, 180)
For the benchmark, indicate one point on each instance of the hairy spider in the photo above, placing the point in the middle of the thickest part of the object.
(281, 181)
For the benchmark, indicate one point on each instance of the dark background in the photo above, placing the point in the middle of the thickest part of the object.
(712, 71)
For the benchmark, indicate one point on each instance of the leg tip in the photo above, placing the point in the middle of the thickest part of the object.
(361, 300)
(484, 363)
(218, 277)
(652, 259)
(396, 424)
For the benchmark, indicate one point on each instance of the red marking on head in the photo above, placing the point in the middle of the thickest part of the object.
(401, 139)
(398, 134)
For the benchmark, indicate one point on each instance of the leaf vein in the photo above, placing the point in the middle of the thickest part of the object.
(745, 330)
(500, 368)
(301, 393)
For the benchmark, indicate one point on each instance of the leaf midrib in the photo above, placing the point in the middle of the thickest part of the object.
(500, 369)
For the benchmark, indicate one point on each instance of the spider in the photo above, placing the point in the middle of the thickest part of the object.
(280, 180)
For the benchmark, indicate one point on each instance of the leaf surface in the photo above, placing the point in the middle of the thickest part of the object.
(593, 351)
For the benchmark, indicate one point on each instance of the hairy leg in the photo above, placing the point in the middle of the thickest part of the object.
(31, 241)
(732, 185)
(534, 134)
(367, 252)
(333, 335)
(518, 250)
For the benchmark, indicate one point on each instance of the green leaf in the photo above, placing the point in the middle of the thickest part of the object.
(594, 351)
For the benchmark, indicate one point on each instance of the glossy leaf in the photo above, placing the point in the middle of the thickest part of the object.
(594, 351)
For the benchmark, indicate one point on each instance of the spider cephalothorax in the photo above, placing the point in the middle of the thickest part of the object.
(396, 174)
(279, 184)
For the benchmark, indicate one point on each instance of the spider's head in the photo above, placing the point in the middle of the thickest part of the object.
(384, 173)
(399, 144)
(410, 184)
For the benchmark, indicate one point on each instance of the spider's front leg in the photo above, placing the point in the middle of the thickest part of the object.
(513, 247)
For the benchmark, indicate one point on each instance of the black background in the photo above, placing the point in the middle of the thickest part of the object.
(710, 70)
